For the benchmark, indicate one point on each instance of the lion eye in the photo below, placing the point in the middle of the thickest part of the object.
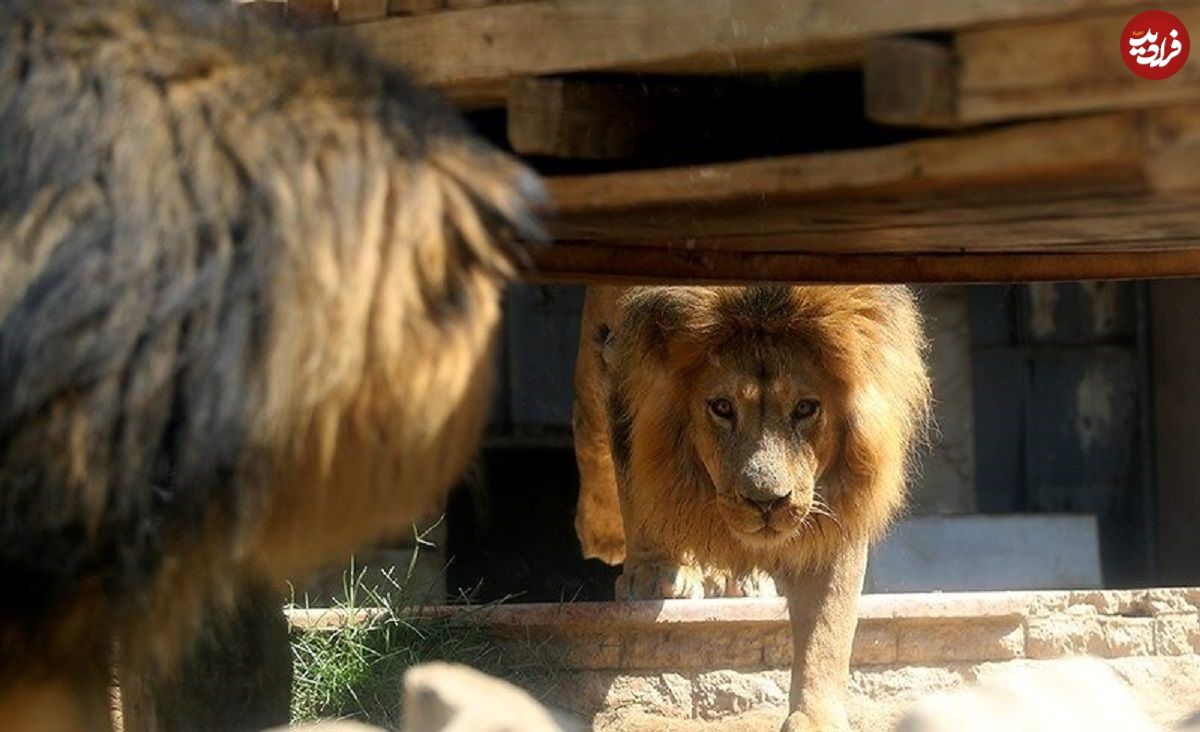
(806, 409)
(721, 408)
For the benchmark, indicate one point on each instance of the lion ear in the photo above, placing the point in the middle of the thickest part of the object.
(656, 321)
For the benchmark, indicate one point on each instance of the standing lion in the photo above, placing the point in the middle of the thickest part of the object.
(248, 289)
(723, 431)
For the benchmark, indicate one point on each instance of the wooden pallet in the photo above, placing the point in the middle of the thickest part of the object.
(1077, 168)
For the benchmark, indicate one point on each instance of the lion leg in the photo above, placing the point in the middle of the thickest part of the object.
(823, 609)
(79, 704)
(598, 514)
(650, 577)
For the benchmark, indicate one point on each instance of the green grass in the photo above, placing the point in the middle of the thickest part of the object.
(355, 672)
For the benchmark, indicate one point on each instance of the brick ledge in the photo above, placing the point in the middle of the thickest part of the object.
(715, 613)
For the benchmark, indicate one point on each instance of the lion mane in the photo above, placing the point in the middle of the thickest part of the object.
(868, 340)
(249, 283)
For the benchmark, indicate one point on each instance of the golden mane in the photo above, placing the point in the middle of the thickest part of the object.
(869, 341)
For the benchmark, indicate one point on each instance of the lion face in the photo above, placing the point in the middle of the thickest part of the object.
(763, 427)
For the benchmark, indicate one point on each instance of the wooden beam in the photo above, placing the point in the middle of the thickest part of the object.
(483, 46)
(910, 82)
(659, 119)
(1013, 72)
(571, 118)
(930, 225)
(593, 263)
(1067, 199)
(1104, 147)
(1150, 149)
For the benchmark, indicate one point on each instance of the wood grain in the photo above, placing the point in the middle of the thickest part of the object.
(599, 264)
(1034, 69)
(1096, 147)
(499, 42)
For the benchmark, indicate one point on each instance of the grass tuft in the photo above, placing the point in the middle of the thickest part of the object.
(355, 671)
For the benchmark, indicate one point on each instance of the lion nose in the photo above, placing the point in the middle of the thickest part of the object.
(765, 505)
(765, 497)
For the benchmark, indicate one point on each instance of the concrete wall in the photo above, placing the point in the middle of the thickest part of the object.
(1062, 404)
(946, 484)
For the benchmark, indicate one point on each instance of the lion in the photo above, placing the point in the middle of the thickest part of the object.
(723, 431)
(249, 285)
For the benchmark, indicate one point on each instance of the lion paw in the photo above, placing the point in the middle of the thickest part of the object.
(723, 583)
(600, 542)
(660, 580)
(804, 722)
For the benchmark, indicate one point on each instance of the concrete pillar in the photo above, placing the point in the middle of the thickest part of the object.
(1175, 324)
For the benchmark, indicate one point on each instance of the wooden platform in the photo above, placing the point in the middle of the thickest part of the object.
(1104, 196)
(1024, 150)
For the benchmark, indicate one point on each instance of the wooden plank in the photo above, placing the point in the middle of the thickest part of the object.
(1104, 224)
(593, 263)
(1036, 69)
(571, 118)
(911, 82)
(1068, 199)
(661, 120)
(499, 42)
(1105, 147)
(1155, 149)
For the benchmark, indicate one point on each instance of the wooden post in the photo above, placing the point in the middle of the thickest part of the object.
(238, 677)
(571, 118)
(911, 82)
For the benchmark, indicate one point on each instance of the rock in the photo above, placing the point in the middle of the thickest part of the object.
(1078, 694)
(443, 697)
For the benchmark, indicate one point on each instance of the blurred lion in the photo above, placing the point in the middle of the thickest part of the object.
(743, 429)
(248, 289)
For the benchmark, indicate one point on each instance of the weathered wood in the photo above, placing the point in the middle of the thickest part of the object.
(918, 224)
(477, 48)
(596, 263)
(572, 118)
(1021, 71)
(1109, 145)
(1068, 199)
(911, 82)
(237, 677)
(663, 120)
